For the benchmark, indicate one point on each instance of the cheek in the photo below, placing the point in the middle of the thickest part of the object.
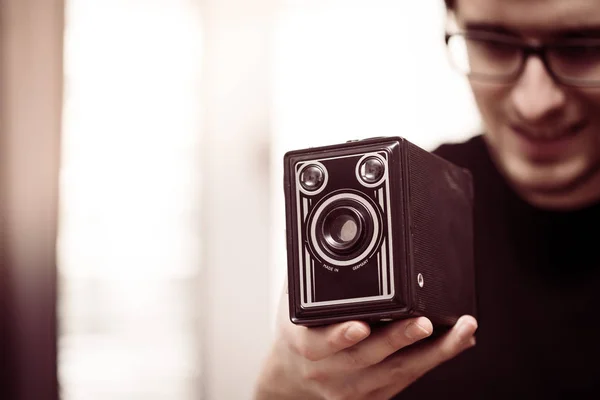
(591, 101)
(491, 102)
(590, 110)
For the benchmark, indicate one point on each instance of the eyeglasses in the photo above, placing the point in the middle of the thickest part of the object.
(491, 57)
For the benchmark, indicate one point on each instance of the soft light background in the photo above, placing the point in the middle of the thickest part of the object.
(177, 115)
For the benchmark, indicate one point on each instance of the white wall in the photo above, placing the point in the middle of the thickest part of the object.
(236, 81)
(128, 246)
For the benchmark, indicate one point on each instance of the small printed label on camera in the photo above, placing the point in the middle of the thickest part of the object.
(362, 264)
(330, 268)
(354, 268)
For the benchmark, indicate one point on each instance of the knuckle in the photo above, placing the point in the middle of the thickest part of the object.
(332, 342)
(289, 335)
(285, 335)
(312, 374)
(345, 393)
(449, 350)
(295, 347)
(292, 345)
(354, 359)
(299, 344)
(350, 390)
(404, 374)
(392, 341)
(389, 341)
(304, 350)
(397, 372)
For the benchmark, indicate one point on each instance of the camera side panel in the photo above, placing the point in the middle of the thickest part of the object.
(441, 224)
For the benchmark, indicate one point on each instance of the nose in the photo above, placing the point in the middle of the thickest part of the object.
(536, 96)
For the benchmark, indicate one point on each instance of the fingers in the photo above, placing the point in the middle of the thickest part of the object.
(458, 339)
(341, 359)
(316, 344)
(413, 362)
(378, 346)
(383, 343)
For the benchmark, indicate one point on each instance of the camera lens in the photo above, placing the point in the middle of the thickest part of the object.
(371, 169)
(342, 229)
(312, 178)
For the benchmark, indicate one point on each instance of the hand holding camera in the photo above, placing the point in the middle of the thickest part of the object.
(351, 360)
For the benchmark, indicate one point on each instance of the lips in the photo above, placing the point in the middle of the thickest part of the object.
(547, 133)
(546, 143)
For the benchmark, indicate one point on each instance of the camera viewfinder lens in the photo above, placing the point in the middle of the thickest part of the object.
(371, 169)
(312, 178)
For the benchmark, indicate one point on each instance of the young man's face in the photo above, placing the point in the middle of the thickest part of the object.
(545, 136)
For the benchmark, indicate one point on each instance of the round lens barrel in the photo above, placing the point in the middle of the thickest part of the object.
(312, 178)
(371, 169)
(342, 229)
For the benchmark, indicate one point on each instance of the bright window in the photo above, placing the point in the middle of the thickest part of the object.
(129, 240)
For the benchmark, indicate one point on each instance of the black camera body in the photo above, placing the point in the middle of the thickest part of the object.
(377, 229)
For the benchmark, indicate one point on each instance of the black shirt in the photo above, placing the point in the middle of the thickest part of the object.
(538, 291)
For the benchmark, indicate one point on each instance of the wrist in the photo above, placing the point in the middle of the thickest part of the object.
(278, 381)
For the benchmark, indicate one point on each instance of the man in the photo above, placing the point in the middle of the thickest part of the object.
(534, 69)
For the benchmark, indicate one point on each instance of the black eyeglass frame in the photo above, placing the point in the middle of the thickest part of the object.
(528, 50)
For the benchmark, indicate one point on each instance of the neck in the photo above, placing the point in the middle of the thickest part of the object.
(583, 193)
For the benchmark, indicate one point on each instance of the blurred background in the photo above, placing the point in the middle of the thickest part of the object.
(142, 242)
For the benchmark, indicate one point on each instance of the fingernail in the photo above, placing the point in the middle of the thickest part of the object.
(355, 333)
(465, 331)
(415, 331)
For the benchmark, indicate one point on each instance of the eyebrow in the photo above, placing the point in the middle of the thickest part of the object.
(591, 31)
(491, 28)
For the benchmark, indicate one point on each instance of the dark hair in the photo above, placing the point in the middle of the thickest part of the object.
(449, 4)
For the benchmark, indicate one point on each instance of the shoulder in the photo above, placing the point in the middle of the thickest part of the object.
(465, 154)
(473, 154)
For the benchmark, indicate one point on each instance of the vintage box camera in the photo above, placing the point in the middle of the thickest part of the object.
(377, 229)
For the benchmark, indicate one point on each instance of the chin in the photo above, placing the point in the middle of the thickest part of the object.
(555, 177)
(560, 185)
(570, 179)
